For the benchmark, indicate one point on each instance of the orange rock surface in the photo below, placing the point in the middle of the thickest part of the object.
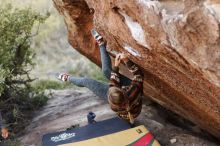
(176, 44)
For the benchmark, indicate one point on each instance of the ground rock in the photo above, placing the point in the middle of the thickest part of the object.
(70, 107)
(176, 44)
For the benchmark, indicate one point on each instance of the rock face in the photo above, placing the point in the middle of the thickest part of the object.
(176, 43)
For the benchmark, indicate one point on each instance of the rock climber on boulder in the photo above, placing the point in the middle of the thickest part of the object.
(123, 94)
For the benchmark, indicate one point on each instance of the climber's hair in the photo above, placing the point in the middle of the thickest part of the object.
(115, 95)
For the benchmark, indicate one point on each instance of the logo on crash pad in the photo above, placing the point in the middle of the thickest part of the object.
(63, 136)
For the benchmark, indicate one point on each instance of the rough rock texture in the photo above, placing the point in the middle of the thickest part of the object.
(176, 43)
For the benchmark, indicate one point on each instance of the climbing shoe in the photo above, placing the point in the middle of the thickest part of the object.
(63, 77)
(99, 39)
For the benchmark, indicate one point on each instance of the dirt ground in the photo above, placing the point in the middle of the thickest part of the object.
(69, 107)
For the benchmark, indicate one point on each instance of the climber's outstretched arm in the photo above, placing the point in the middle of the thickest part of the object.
(136, 86)
(115, 76)
(134, 91)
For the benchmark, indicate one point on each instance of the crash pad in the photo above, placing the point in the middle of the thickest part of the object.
(138, 136)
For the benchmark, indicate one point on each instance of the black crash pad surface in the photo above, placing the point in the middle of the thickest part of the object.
(87, 132)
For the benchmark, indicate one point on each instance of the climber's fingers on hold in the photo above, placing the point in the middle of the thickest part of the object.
(124, 56)
(117, 60)
(118, 57)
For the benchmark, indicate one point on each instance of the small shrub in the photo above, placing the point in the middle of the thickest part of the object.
(17, 97)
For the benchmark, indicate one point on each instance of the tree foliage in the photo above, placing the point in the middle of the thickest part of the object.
(17, 96)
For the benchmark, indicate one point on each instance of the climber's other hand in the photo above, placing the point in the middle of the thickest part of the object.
(124, 57)
(117, 60)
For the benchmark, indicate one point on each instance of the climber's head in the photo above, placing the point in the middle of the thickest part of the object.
(116, 96)
(119, 103)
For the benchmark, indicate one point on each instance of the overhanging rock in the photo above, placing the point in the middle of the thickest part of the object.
(176, 43)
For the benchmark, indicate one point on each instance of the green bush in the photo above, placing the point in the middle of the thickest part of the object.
(17, 97)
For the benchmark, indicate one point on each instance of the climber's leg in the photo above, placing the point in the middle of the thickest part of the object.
(100, 89)
(107, 66)
(105, 58)
(106, 61)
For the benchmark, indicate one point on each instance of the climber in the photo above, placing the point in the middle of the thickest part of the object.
(4, 131)
(123, 94)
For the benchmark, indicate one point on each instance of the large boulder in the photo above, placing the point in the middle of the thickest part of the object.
(176, 44)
